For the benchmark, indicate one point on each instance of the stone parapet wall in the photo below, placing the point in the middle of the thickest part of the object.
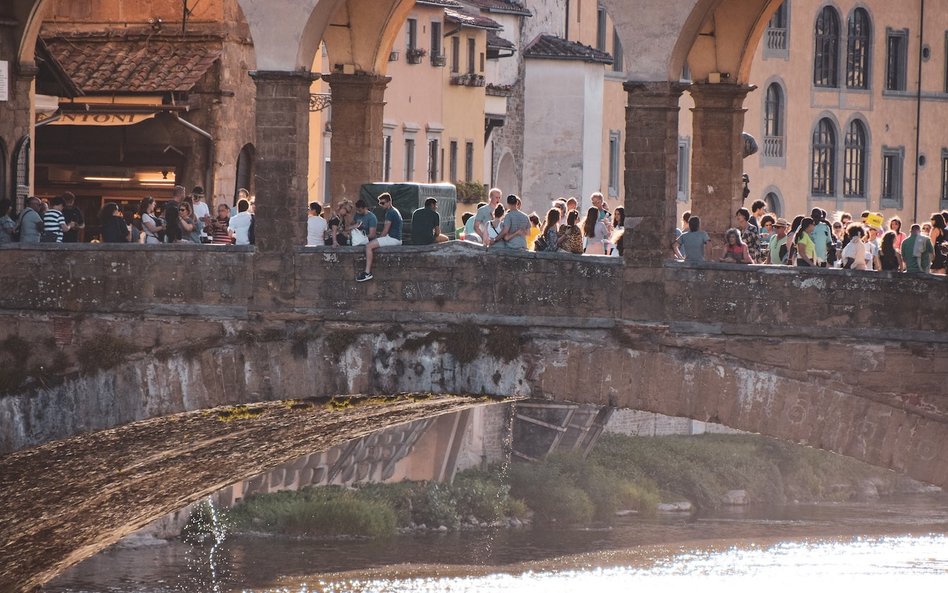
(442, 282)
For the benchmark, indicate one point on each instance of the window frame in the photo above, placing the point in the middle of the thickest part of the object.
(862, 166)
(409, 159)
(601, 28)
(900, 61)
(437, 48)
(826, 49)
(471, 55)
(468, 161)
(892, 181)
(944, 178)
(774, 125)
(684, 168)
(861, 69)
(776, 42)
(386, 157)
(615, 150)
(434, 145)
(411, 33)
(829, 179)
(453, 161)
(455, 54)
(618, 56)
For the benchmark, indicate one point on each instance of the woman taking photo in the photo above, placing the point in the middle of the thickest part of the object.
(114, 229)
(218, 227)
(188, 223)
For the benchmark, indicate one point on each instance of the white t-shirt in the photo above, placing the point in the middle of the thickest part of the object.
(240, 225)
(316, 230)
(201, 210)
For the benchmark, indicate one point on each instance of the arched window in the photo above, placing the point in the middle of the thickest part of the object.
(21, 171)
(826, 55)
(824, 159)
(773, 121)
(773, 203)
(854, 165)
(245, 166)
(858, 48)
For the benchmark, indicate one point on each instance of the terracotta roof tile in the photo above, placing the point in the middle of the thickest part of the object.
(501, 6)
(466, 19)
(551, 47)
(442, 3)
(495, 41)
(132, 65)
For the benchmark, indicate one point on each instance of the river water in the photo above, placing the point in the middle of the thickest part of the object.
(837, 547)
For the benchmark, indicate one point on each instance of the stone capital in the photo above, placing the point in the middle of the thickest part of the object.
(654, 95)
(357, 87)
(296, 76)
(723, 97)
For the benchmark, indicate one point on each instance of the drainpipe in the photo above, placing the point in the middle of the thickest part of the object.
(918, 104)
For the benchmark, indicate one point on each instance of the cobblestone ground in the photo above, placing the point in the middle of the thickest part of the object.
(65, 501)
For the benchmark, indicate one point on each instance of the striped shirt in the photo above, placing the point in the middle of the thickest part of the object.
(53, 222)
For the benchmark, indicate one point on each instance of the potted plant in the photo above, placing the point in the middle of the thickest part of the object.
(415, 54)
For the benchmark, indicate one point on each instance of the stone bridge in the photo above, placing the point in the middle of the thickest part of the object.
(127, 338)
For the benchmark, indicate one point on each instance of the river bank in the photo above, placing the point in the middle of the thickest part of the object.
(761, 546)
(623, 475)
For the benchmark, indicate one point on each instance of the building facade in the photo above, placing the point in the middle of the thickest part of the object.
(849, 108)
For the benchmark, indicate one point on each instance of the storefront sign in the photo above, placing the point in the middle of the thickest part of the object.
(4, 80)
(98, 119)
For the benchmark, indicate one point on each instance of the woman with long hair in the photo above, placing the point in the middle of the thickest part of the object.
(549, 238)
(889, 257)
(735, 250)
(172, 222)
(895, 225)
(151, 224)
(114, 229)
(594, 232)
(571, 238)
(940, 243)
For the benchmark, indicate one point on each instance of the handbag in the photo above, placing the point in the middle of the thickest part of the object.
(357, 238)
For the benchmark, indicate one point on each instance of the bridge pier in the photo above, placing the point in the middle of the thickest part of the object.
(358, 105)
(718, 162)
(651, 169)
(282, 158)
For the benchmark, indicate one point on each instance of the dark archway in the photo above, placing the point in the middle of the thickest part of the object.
(245, 170)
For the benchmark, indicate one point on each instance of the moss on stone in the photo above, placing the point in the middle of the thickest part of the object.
(103, 352)
(238, 412)
(504, 342)
(339, 341)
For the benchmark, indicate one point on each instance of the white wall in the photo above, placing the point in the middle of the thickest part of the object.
(563, 116)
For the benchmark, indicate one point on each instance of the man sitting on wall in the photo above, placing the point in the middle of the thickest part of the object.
(391, 235)
(426, 224)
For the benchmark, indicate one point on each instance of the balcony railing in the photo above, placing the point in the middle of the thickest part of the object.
(773, 147)
(777, 39)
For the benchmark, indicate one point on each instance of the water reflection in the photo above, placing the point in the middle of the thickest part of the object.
(834, 546)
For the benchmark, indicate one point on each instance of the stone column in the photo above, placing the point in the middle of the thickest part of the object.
(358, 104)
(651, 170)
(282, 158)
(16, 121)
(717, 156)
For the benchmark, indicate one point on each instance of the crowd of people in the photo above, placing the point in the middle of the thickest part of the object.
(185, 218)
(818, 241)
(498, 224)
